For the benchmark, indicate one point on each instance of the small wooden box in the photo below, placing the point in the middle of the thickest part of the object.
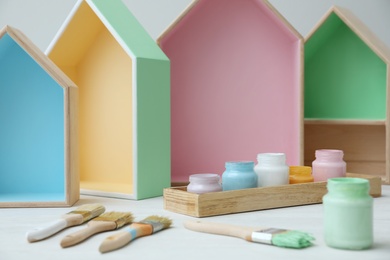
(124, 92)
(347, 80)
(38, 127)
(226, 202)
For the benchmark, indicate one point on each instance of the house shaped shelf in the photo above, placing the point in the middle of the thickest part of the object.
(346, 93)
(236, 86)
(124, 82)
(38, 133)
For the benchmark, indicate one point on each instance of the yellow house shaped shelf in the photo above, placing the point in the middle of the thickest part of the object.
(124, 98)
(347, 79)
(38, 127)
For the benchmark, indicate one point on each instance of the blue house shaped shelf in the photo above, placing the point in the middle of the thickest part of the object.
(38, 133)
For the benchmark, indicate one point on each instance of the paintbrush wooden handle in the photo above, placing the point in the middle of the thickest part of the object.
(81, 235)
(116, 241)
(135, 230)
(47, 230)
(221, 229)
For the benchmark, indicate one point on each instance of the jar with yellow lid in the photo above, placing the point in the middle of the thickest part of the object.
(300, 174)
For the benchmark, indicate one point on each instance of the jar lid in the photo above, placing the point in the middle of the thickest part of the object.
(213, 177)
(299, 170)
(271, 158)
(348, 184)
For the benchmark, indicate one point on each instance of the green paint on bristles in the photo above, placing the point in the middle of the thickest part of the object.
(292, 239)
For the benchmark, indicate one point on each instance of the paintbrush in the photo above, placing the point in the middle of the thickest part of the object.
(105, 222)
(146, 227)
(271, 236)
(73, 218)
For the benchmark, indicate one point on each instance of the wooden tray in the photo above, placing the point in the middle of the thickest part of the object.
(178, 200)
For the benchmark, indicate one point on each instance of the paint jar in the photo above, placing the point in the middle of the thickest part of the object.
(204, 182)
(348, 214)
(239, 175)
(329, 163)
(271, 169)
(300, 174)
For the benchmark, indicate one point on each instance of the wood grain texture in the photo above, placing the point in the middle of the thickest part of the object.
(364, 146)
(227, 202)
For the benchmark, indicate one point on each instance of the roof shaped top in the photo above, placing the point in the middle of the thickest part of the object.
(263, 5)
(119, 21)
(36, 54)
(356, 25)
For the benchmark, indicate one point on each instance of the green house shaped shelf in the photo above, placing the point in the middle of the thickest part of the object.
(38, 127)
(124, 99)
(346, 93)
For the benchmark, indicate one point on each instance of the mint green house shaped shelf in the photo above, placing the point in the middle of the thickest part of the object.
(38, 127)
(346, 92)
(124, 99)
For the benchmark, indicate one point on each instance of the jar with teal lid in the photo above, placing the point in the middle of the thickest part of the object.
(348, 214)
(239, 175)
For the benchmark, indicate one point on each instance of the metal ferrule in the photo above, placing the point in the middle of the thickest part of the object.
(85, 214)
(157, 226)
(265, 236)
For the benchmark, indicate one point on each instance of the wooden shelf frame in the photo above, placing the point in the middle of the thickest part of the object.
(361, 129)
(38, 134)
(124, 83)
(318, 121)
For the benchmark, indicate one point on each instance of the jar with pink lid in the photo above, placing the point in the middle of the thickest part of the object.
(204, 182)
(329, 163)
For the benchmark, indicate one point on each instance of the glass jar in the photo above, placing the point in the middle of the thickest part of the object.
(348, 214)
(239, 175)
(272, 169)
(328, 164)
(204, 182)
(300, 174)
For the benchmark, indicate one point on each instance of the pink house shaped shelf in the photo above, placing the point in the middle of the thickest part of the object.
(236, 86)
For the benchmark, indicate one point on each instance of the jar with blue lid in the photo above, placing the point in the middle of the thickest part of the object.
(239, 175)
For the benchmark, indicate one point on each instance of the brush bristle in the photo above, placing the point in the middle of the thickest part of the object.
(292, 239)
(89, 211)
(120, 218)
(166, 222)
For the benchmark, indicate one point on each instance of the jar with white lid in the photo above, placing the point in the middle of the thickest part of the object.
(204, 182)
(272, 169)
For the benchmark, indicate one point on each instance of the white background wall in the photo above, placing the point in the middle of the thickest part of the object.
(41, 19)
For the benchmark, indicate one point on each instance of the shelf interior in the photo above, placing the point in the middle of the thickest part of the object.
(32, 127)
(364, 146)
(235, 86)
(89, 54)
(344, 78)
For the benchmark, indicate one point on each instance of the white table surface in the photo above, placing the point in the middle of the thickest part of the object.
(180, 243)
